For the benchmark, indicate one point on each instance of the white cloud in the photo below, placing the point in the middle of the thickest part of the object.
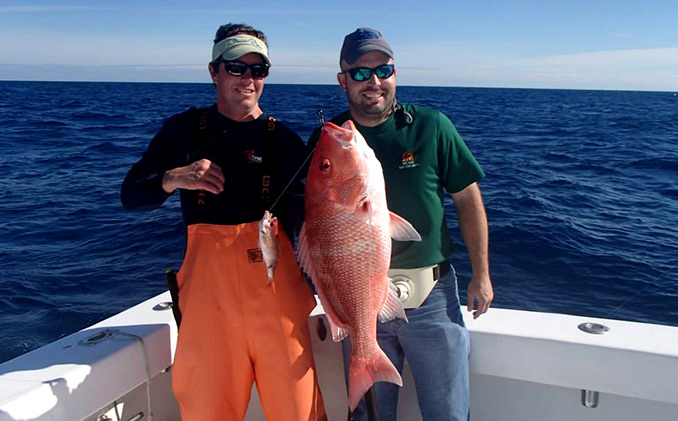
(113, 73)
(641, 69)
(625, 59)
(653, 68)
(100, 50)
(449, 64)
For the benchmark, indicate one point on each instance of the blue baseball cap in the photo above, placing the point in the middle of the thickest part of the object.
(361, 41)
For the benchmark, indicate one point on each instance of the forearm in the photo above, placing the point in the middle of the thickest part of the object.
(473, 225)
(142, 190)
(143, 187)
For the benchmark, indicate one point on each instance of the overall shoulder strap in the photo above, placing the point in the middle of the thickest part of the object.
(268, 162)
(199, 142)
(200, 137)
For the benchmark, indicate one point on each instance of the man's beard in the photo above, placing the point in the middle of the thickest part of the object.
(373, 111)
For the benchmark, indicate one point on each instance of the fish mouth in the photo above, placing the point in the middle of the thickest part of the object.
(345, 137)
(345, 144)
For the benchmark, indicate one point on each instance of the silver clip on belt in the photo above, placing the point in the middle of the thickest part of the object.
(413, 285)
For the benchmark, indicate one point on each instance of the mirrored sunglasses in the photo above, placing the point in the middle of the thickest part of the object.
(238, 68)
(361, 74)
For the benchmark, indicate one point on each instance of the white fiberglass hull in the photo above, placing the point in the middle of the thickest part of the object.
(524, 366)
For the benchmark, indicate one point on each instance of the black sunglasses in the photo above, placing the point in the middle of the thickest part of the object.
(361, 74)
(238, 68)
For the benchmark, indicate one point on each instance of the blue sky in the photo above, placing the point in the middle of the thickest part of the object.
(538, 44)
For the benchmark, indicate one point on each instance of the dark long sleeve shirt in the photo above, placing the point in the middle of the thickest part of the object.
(240, 149)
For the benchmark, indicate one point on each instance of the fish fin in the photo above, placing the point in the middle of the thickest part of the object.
(303, 253)
(363, 372)
(392, 307)
(339, 330)
(274, 225)
(401, 230)
(365, 207)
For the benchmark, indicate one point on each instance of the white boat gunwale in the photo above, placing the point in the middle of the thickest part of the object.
(513, 351)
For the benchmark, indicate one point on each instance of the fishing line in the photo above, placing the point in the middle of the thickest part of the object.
(650, 283)
(321, 118)
(293, 178)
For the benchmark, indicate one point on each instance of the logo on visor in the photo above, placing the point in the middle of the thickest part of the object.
(408, 161)
(233, 41)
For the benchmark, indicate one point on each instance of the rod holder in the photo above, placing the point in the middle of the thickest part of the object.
(593, 328)
(590, 398)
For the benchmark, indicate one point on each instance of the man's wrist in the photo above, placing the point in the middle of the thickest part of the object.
(167, 185)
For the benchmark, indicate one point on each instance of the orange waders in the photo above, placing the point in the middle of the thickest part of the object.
(236, 329)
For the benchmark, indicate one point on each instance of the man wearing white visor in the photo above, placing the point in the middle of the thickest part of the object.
(229, 162)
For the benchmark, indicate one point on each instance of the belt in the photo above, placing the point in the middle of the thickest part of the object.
(414, 285)
(441, 270)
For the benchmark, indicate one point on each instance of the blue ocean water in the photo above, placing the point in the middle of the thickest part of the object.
(581, 194)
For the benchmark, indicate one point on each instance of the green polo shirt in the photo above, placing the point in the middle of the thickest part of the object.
(421, 159)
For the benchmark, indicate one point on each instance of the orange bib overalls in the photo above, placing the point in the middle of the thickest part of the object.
(236, 329)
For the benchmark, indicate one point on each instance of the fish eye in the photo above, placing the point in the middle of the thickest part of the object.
(325, 165)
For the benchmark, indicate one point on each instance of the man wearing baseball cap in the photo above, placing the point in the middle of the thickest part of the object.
(422, 155)
(230, 162)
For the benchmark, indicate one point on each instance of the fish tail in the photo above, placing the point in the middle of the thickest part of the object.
(364, 372)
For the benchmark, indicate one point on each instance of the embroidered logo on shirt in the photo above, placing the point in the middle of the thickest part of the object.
(251, 157)
(408, 161)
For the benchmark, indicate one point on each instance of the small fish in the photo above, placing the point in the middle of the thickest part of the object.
(345, 247)
(268, 242)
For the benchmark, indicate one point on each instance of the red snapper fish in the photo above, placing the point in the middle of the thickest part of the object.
(345, 247)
